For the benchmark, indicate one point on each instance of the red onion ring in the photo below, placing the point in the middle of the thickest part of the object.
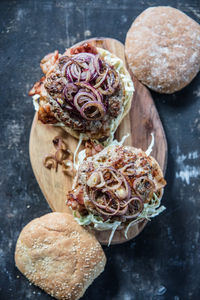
(95, 115)
(108, 211)
(83, 97)
(127, 170)
(93, 90)
(101, 79)
(110, 84)
(82, 67)
(136, 211)
(69, 62)
(69, 90)
(138, 180)
(122, 182)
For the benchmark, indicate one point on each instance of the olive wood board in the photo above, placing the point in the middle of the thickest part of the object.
(140, 122)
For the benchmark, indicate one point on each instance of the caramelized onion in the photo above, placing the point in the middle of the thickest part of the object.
(83, 97)
(105, 208)
(88, 86)
(69, 90)
(143, 186)
(60, 156)
(110, 84)
(67, 167)
(92, 110)
(59, 143)
(94, 179)
(101, 79)
(135, 207)
(128, 169)
(111, 175)
(50, 162)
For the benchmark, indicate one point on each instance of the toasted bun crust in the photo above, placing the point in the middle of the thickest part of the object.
(109, 155)
(59, 256)
(163, 49)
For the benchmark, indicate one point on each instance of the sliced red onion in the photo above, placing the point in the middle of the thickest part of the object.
(148, 185)
(82, 67)
(102, 181)
(126, 187)
(69, 75)
(114, 177)
(101, 79)
(68, 107)
(63, 71)
(59, 101)
(75, 71)
(114, 79)
(69, 90)
(128, 169)
(110, 84)
(107, 91)
(80, 70)
(135, 207)
(123, 211)
(97, 114)
(91, 88)
(121, 182)
(83, 97)
(88, 76)
(97, 63)
(104, 209)
(84, 57)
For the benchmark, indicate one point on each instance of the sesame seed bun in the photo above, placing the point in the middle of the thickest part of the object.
(59, 256)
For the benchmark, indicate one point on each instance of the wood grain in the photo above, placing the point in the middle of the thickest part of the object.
(142, 119)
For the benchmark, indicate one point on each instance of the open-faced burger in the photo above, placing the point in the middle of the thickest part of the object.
(87, 91)
(116, 188)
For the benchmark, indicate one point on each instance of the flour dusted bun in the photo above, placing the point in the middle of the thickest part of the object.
(163, 49)
(59, 256)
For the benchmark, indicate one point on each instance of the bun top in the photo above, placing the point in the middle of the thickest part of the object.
(163, 48)
(59, 256)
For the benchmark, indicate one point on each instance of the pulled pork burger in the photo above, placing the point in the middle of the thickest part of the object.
(116, 188)
(87, 91)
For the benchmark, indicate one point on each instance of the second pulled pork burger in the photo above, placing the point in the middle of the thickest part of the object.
(116, 188)
(87, 91)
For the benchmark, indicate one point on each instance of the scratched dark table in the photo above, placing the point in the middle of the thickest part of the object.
(163, 262)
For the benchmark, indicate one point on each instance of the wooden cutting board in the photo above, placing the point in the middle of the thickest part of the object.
(142, 120)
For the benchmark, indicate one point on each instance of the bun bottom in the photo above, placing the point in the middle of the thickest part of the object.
(59, 256)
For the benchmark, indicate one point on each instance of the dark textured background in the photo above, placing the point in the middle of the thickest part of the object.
(164, 261)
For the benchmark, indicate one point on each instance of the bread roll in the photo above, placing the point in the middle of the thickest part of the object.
(163, 49)
(59, 256)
